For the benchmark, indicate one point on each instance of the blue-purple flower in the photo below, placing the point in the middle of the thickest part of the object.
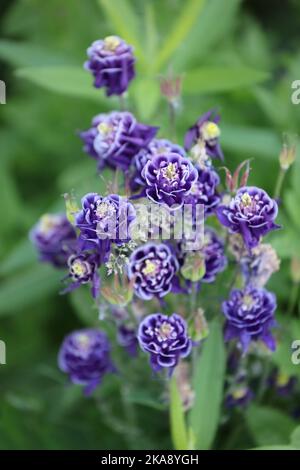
(249, 316)
(85, 356)
(152, 268)
(284, 384)
(251, 213)
(111, 61)
(83, 269)
(206, 130)
(169, 178)
(115, 138)
(204, 190)
(166, 339)
(239, 396)
(214, 255)
(53, 237)
(104, 220)
(156, 147)
(127, 338)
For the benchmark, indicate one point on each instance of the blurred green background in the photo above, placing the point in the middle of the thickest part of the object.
(241, 56)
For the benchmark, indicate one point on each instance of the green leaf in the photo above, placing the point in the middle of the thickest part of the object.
(251, 141)
(269, 426)
(295, 438)
(215, 79)
(291, 203)
(24, 54)
(124, 22)
(204, 37)
(151, 34)
(177, 418)
(22, 255)
(277, 447)
(182, 26)
(146, 95)
(84, 307)
(144, 398)
(66, 80)
(28, 288)
(208, 383)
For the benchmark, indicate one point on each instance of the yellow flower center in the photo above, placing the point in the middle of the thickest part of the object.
(104, 209)
(104, 128)
(282, 379)
(246, 200)
(239, 393)
(170, 171)
(47, 223)
(248, 301)
(83, 340)
(150, 268)
(210, 130)
(111, 43)
(78, 268)
(165, 330)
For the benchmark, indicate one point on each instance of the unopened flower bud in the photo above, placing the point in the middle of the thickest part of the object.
(288, 154)
(295, 269)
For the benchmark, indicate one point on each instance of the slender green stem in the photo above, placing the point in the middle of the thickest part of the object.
(293, 297)
(172, 121)
(279, 183)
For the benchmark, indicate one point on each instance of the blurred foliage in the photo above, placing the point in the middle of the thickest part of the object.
(231, 54)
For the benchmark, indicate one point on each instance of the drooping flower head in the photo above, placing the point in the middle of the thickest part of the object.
(85, 356)
(206, 130)
(111, 61)
(104, 220)
(259, 265)
(127, 338)
(83, 269)
(249, 316)
(53, 237)
(239, 396)
(251, 213)
(153, 268)
(214, 255)
(169, 178)
(283, 383)
(166, 339)
(156, 147)
(204, 190)
(115, 138)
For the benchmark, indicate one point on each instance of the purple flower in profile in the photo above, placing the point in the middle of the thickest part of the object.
(115, 138)
(284, 384)
(166, 339)
(240, 396)
(111, 61)
(85, 356)
(53, 237)
(153, 268)
(206, 130)
(251, 213)
(249, 316)
(214, 255)
(156, 147)
(169, 178)
(204, 191)
(83, 269)
(104, 220)
(127, 338)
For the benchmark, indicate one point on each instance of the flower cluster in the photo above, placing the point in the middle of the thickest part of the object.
(141, 266)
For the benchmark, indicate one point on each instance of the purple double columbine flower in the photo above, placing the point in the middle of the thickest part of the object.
(249, 316)
(204, 190)
(206, 130)
(85, 356)
(111, 61)
(127, 338)
(168, 179)
(166, 339)
(53, 237)
(214, 255)
(251, 213)
(156, 147)
(239, 396)
(115, 138)
(152, 268)
(83, 269)
(102, 221)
